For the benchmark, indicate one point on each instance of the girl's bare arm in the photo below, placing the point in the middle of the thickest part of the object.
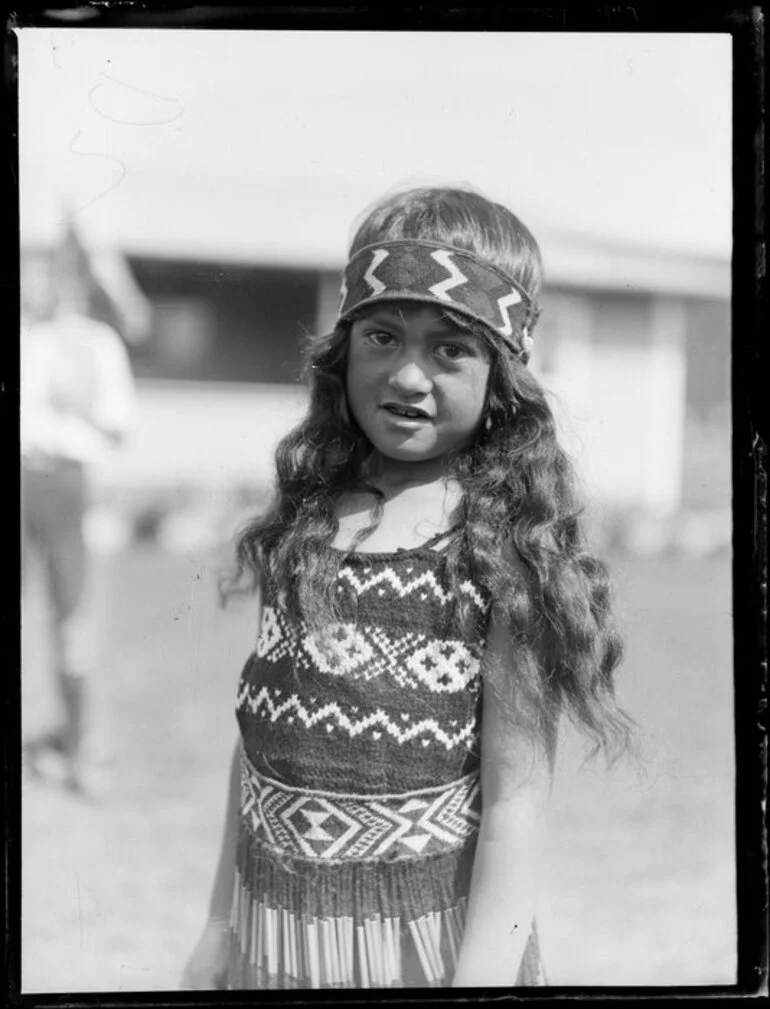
(516, 776)
(207, 966)
(224, 877)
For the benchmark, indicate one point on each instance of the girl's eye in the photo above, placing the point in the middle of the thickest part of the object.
(380, 338)
(453, 351)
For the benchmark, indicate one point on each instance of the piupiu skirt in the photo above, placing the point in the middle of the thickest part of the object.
(354, 891)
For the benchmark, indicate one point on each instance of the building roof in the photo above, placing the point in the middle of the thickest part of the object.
(263, 147)
(197, 219)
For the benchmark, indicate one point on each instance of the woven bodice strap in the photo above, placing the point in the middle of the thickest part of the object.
(435, 540)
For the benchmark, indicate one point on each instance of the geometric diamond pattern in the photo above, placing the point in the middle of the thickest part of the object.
(398, 650)
(273, 639)
(410, 658)
(395, 683)
(325, 825)
(341, 649)
(445, 666)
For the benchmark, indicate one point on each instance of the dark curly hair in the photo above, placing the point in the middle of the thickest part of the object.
(520, 538)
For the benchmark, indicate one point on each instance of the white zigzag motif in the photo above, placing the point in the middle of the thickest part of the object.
(343, 295)
(504, 303)
(332, 714)
(456, 276)
(470, 590)
(406, 587)
(403, 588)
(377, 286)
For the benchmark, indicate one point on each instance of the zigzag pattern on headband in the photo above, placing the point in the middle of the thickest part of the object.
(426, 271)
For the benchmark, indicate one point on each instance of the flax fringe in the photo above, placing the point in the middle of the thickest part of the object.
(300, 923)
(276, 948)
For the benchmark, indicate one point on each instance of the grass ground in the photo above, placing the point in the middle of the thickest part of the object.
(640, 881)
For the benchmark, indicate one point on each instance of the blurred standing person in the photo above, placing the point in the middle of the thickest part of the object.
(78, 402)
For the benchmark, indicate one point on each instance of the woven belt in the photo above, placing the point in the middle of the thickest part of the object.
(331, 825)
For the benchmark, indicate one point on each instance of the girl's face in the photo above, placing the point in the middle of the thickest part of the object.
(416, 384)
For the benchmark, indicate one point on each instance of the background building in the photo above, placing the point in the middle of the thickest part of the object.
(231, 196)
(633, 343)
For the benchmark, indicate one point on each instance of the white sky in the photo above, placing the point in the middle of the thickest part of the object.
(263, 138)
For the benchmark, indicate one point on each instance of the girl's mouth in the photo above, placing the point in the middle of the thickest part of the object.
(406, 412)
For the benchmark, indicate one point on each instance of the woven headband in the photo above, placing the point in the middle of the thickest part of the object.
(416, 270)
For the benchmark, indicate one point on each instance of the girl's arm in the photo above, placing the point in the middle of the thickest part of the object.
(207, 965)
(221, 899)
(516, 775)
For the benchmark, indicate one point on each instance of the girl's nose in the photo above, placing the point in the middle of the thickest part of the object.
(411, 379)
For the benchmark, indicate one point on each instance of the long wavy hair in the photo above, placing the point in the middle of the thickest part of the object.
(520, 535)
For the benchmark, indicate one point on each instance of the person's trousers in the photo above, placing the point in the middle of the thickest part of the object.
(53, 500)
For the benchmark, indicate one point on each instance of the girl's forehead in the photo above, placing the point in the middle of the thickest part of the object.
(410, 312)
(425, 321)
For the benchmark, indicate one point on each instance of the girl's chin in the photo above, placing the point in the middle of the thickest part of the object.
(409, 454)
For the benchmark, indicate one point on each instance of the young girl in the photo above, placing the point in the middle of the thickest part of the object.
(428, 613)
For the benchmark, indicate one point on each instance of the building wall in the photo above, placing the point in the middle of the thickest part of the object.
(222, 323)
(207, 434)
(708, 355)
(218, 384)
(614, 364)
(707, 469)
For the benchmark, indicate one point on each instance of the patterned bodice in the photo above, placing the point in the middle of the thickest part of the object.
(388, 701)
(360, 786)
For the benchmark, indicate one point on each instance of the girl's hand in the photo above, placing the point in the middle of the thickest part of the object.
(207, 966)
